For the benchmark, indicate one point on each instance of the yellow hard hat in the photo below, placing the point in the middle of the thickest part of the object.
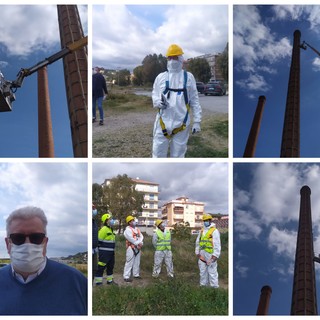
(158, 222)
(174, 50)
(206, 217)
(129, 218)
(105, 217)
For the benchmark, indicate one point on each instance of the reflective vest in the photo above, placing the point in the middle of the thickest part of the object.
(186, 100)
(206, 240)
(164, 240)
(107, 239)
(135, 236)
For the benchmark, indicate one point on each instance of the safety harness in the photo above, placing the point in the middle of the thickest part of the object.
(186, 100)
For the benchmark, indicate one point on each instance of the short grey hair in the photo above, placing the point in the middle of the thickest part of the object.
(27, 213)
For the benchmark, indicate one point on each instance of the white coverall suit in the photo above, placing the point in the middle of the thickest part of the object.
(132, 258)
(209, 273)
(161, 255)
(174, 114)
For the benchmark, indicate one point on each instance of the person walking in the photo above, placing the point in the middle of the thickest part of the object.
(208, 249)
(134, 243)
(99, 93)
(107, 243)
(161, 240)
(175, 95)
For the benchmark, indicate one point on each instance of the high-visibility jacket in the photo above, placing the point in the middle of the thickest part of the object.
(135, 236)
(107, 239)
(164, 240)
(206, 242)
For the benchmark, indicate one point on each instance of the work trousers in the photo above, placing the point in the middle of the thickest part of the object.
(132, 264)
(208, 273)
(159, 256)
(177, 143)
(107, 263)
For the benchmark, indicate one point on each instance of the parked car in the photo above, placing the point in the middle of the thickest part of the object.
(200, 87)
(222, 84)
(213, 89)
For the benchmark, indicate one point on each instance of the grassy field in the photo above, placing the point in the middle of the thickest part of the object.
(128, 130)
(179, 296)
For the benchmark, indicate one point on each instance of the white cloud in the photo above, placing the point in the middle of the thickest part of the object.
(25, 29)
(316, 64)
(60, 189)
(128, 38)
(254, 82)
(246, 225)
(283, 242)
(241, 270)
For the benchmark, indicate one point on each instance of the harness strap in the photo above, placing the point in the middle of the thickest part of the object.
(185, 94)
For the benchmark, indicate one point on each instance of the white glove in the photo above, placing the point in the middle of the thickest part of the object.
(104, 97)
(196, 127)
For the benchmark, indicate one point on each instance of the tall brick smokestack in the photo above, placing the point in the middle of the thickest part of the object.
(304, 296)
(290, 145)
(45, 136)
(76, 78)
(264, 301)
(255, 128)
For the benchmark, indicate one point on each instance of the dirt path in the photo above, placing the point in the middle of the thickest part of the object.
(125, 135)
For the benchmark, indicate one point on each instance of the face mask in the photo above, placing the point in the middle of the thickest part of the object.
(27, 257)
(174, 65)
(206, 224)
(94, 212)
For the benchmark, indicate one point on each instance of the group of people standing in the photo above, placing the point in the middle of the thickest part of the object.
(207, 249)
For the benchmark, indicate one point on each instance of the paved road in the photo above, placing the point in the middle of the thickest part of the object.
(211, 104)
(214, 103)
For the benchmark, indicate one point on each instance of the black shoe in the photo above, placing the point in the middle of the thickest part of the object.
(93, 120)
(112, 283)
(138, 278)
(101, 122)
(127, 280)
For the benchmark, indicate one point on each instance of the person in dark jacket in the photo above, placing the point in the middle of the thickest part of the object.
(99, 93)
(95, 242)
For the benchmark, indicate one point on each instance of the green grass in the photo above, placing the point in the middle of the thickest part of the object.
(179, 296)
(126, 101)
(175, 297)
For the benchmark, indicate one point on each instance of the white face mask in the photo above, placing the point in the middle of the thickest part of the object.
(174, 65)
(206, 224)
(94, 212)
(27, 257)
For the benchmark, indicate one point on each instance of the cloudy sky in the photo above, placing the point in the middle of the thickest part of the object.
(30, 34)
(124, 35)
(262, 48)
(266, 214)
(60, 189)
(205, 182)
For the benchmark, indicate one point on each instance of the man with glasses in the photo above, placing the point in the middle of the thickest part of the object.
(33, 284)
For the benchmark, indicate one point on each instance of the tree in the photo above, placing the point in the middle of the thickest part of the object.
(138, 76)
(181, 230)
(200, 68)
(124, 77)
(122, 199)
(222, 62)
(152, 65)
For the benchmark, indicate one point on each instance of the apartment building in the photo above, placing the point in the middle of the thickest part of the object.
(183, 210)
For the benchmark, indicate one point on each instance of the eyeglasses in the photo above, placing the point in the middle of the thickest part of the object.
(20, 238)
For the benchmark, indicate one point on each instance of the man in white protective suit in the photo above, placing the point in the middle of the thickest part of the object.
(175, 94)
(208, 248)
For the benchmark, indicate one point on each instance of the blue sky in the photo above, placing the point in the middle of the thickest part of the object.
(205, 182)
(266, 213)
(134, 31)
(60, 189)
(263, 37)
(31, 35)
